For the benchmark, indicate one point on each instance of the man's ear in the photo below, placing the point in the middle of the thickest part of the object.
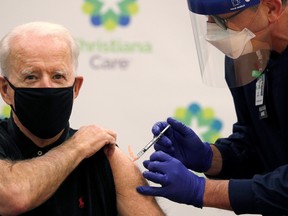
(4, 91)
(77, 85)
(275, 8)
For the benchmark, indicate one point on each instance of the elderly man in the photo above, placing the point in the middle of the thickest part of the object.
(46, 167)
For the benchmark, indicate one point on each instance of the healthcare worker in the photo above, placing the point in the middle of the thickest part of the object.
(246, 172)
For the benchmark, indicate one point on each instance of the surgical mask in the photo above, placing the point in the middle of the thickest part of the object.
(43, 111)
(232, 43)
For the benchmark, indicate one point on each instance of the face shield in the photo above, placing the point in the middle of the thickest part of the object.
(227, 56)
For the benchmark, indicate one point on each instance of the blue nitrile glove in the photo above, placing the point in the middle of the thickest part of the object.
(182, 142)
(178, 183)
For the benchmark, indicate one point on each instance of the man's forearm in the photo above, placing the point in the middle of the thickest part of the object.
(26, 184)
(216, 194)
(216, 191)
(216, 162)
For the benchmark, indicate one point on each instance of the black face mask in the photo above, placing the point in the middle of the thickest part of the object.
(43, 111)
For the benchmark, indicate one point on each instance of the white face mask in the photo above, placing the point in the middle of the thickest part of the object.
(231, 43)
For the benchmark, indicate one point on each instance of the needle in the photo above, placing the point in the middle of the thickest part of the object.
(151, 143)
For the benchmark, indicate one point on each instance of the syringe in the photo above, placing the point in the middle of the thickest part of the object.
(151, 143)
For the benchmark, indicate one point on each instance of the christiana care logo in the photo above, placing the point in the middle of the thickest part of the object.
(110, 13)
(201, 120)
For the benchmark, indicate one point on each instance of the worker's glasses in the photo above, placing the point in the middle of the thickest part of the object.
(222, 21)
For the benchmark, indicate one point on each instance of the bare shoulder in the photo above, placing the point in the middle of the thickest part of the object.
(127, 176)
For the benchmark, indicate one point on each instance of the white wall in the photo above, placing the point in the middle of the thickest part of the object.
(131, 91)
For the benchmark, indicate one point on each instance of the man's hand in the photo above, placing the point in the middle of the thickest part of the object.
(178, 183)
(92, 138)
(181, 142)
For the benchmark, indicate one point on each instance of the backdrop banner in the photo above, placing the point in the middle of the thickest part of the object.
(140, 66)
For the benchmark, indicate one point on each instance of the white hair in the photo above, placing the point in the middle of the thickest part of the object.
(41, 29)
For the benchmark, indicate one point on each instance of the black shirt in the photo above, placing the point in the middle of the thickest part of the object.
(88, 190)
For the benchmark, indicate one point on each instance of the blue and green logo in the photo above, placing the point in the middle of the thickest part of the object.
(110, 13)
(203, 119)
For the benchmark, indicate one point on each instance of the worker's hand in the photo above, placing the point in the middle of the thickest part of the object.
(92, 138)
(177, 182)
(181, 142)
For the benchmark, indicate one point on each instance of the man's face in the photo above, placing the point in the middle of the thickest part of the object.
(40, 62)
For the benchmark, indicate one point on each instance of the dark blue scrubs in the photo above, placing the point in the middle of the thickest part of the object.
(255, 155)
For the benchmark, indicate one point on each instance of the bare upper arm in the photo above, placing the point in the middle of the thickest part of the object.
(127, 177)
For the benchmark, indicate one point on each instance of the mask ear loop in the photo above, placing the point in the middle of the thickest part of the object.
(261, 31)
(10, 84)
(74, 83)
(14, 88)
(257, 12)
